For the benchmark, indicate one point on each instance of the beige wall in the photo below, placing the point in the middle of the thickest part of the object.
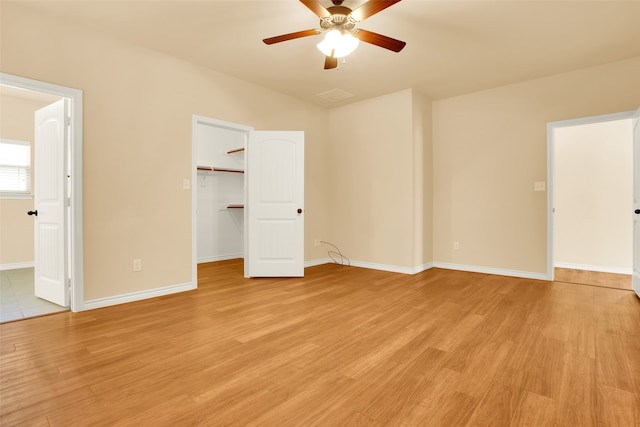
(489, 149)
(138, 106)
(16, 228)
(392, 180)
(380, 187)
(593, 195)
(422, 128)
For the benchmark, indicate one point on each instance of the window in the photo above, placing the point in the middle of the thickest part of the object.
(15, 168)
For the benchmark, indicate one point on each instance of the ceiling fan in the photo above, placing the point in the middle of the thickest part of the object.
(339, 22)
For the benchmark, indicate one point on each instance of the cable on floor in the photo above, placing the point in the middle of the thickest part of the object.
(336, 256)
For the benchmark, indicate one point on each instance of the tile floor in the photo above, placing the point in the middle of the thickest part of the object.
(17, 300)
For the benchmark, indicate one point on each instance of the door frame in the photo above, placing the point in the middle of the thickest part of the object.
(74, 256)
(195, 121)
(551, 127)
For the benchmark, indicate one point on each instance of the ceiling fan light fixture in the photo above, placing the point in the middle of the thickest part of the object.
(338, 44)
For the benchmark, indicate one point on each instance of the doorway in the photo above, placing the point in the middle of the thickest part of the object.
(72, 178)
(218, 190)
(18, 155)
(590, 201)
(252, 197)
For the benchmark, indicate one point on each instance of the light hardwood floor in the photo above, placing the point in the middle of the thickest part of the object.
(593, 278)
(343, 346)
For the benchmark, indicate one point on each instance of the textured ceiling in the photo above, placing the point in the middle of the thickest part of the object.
(453, 47)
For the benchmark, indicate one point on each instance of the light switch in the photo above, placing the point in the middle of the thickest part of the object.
(186, 184)
(539, 186)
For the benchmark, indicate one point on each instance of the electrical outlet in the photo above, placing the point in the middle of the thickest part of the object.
(137, 265)
(316, 242)
(539, 186)
(456, 246)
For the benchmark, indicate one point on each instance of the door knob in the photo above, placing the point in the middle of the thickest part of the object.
(637, 211)
(300, 211)
(33, 212)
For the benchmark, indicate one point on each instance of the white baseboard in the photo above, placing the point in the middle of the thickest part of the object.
(17, 265)
(423, 267)
(489, 270)
(448, 266)
(136, 296)
(311, 263)
(392, 268)
(599, 268)
(374, 266)
(167, 290)
(315, 262)
(219, 258)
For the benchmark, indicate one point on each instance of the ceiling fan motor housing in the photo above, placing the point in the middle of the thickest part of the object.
(340, 17)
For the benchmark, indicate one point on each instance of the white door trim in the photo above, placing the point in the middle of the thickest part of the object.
(74, 257)
(194, 188)
(551, 127)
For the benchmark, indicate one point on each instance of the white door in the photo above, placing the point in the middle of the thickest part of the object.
(636, 202)
(275, 204)
(49, 201)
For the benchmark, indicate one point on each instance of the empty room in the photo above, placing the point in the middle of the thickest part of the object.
(317, 212)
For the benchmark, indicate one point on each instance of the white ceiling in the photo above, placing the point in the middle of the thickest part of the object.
(453, 47)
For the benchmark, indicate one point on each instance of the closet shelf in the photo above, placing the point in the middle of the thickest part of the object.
(237, 150)
(228, 170)
(214, 169)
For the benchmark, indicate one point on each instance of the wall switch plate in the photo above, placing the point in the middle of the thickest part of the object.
(539, 186)
(186, 184)
(456, 246)
(137, 265)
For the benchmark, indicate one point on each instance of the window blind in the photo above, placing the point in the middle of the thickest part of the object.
(15, 166)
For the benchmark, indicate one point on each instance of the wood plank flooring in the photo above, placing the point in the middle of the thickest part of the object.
(593, 278)
(342, 346)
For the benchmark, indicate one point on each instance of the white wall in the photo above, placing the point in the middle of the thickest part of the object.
(593, 196)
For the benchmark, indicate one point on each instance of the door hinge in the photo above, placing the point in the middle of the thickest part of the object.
(68, 201)
(67, 121)
(69, 282)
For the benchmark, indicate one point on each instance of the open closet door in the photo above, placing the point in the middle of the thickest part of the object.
(636, 203)
(50, 213)
(275, 204)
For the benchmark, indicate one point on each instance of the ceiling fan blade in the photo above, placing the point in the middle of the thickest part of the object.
(316, 7)
(330, 63)
(291, 36)
(379, 40)
(370, 8)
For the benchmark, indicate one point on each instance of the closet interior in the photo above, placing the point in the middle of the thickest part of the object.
(220, 159)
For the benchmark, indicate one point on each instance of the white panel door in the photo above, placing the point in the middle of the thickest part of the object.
(49, 201)
(275, 204)
(636, 203)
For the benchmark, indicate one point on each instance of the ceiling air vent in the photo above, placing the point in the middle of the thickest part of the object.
(335, 95)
